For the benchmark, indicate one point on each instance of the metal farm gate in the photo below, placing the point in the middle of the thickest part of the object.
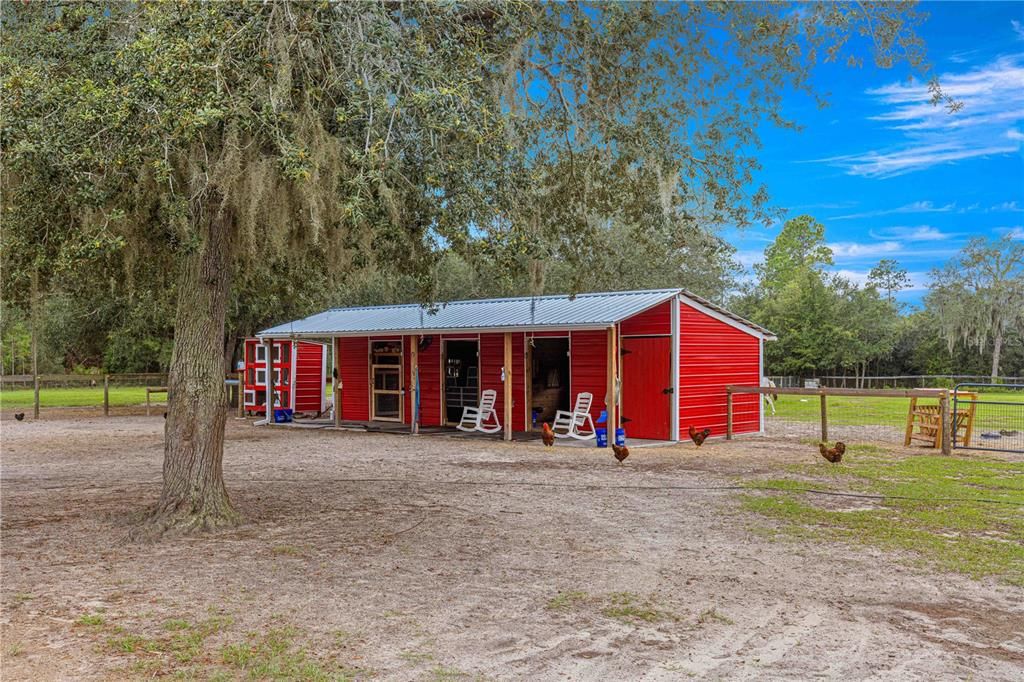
(988, 417)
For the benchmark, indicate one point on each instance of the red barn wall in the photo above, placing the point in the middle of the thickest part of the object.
(712, 355)
(431, 383)
(588, 367)
(354, 372)
(309, 377)
(492, 358)
(655, 321)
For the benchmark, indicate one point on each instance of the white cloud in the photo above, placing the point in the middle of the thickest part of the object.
(1016, 232)
(921, 233)
(859, 250)
(918, 280)
(914, 207)
(1014, 134)
(748, 257)
(1008, 207)
(992, 97)
(1018, 28)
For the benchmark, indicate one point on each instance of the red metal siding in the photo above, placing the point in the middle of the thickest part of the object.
(430, 383)
(492, 358)
(354, 372)
(655, 321)
(588, 367)
(712, 355)
(309, 377)
(646, 371)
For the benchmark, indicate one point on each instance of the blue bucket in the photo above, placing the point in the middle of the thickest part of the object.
(282, 416)
(602, 437)
(620, 437)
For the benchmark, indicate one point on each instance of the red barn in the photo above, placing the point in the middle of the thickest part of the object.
(655, 361)
(300, 370)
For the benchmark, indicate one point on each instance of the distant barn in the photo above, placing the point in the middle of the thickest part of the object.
(655, 361)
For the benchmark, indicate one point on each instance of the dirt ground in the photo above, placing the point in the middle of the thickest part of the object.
(409, 558)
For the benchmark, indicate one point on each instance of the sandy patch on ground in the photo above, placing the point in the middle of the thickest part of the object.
(403, 556)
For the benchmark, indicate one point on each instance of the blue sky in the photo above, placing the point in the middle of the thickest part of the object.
(892, 177)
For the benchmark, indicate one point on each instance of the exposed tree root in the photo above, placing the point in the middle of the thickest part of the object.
(163, 520)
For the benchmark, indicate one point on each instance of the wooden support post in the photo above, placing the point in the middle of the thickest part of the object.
(414, 376)
(612, 398)
(241, 392)
(35, 388)
(507, 372)
(336, 385)
(824, 418)
(728, 412)
(946, 427)
(106, 397)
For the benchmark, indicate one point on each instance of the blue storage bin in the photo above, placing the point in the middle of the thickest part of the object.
(620, 437)
(602, 437)
(282, 416)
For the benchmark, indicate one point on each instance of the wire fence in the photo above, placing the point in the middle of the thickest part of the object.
(996, 413)
(974, 417)
(889, 382)
(90, 394)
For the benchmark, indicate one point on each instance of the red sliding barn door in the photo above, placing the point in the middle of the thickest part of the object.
(646, 371)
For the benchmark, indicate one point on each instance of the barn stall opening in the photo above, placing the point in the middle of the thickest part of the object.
(655, 361)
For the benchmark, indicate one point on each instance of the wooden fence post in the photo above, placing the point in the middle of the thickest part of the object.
(507, 388)
(728, 412)
(106, 397)
(945, 425)
(824, 418)
(35, 388)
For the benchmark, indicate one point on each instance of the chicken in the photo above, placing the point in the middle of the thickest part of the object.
(834, 455)
(698, 437)
(621, 452)
(547, 435)
(19, 416)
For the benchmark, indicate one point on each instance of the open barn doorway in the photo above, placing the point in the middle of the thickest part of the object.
(461, 377)
(549, 378)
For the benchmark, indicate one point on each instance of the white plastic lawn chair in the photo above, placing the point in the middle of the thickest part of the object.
(476, 418)
(569, 424)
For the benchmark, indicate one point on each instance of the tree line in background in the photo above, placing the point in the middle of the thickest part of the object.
(971, 321)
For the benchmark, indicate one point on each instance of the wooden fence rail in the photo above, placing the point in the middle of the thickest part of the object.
(941, 394)
(153, 383)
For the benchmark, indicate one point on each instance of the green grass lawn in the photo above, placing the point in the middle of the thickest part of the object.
(893, 411)
(945, 526)
(85, 396)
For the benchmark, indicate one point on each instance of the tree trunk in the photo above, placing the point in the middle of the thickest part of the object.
(997, 351)
(194, 496)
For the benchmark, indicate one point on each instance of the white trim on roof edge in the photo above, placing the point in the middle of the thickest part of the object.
(720, 317)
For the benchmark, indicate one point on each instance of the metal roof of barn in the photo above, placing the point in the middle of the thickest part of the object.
(582, 311)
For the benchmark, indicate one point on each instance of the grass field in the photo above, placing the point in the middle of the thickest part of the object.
(893, 411)
(86, 396)
(955, 514)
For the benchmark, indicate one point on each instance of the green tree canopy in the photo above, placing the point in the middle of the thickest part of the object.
(978, 297)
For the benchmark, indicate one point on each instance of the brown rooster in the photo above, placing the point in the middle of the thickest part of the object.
(834, 455)
(698, 437)
(621, 452)
(547, 435)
